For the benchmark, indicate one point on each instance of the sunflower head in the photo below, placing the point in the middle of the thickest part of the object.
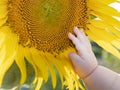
(44, 24)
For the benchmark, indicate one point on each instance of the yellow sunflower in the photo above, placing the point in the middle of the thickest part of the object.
(36, 31)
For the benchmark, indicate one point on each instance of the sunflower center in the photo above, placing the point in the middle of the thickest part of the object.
(49, 10)
(44, 24)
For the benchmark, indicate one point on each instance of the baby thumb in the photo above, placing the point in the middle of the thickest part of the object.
(77, 62)
(75, 59)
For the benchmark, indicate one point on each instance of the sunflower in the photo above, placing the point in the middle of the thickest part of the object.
(36, 31)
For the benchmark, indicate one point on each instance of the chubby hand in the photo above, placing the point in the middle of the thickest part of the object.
(84, 60)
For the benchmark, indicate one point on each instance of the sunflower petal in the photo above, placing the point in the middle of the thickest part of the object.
(105, 26)
(10, 44)
(52, 71)
(21, 64)
(104, 44)
(103, 1)
(40, 63)
(108, 19)
(104, 9)
(3, 11)
(3, 2)
(28, 57)
(107, 1)
(102, 33)
(3, 21)
(39, 84)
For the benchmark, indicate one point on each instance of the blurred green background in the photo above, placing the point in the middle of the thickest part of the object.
(104, 58)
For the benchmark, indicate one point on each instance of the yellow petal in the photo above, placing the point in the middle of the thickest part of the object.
(107, 1)
(3, 11)
(52, 72)
(107, 19)
(3, 2)
(19, 59)
(39, 84)
(105, 26)
(116, 43)
(104, 9)
(28, 57)
(102, 33)
(40, 63)
(10, 44)
(103, 1)
(5, 66)
(109, 48)
(101, 42)
(2, 55)
(3, 21)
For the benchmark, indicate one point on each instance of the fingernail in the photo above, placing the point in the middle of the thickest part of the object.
(75, 28)
(69, 34)
(81, 29)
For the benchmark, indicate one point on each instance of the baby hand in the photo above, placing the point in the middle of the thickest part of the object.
(84, 61)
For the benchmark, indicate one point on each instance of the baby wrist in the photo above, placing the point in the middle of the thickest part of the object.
(92, 71)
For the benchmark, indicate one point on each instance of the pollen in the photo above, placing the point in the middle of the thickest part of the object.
(44, 24)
